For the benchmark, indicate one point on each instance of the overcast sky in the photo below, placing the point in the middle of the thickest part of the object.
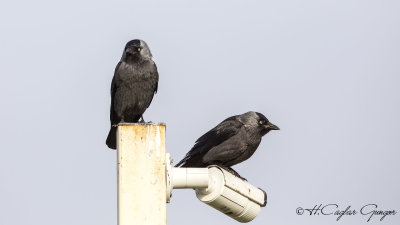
(326, 72)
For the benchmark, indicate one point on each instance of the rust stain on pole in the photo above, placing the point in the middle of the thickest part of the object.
(141, 174)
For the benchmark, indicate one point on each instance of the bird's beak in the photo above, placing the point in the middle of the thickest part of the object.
(271, 126)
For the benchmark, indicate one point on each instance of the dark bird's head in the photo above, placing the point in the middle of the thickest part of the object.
(258, 121)
(136, 50)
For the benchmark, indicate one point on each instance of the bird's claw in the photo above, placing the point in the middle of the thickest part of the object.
(232, 171)
(244, 179)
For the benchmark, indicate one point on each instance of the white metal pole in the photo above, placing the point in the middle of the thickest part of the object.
(141, 174)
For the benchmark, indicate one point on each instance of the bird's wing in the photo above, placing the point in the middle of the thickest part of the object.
(227, 152)
(222, 132)
(113, 116)
(154, 74)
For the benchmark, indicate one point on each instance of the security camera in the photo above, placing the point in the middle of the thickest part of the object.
(232, 195)
(219, 189)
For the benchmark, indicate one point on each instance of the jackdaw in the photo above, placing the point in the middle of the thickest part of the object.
(231, 142)
(133, 86)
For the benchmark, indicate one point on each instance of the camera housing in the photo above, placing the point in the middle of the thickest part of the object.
(219, 189)
(231, 195)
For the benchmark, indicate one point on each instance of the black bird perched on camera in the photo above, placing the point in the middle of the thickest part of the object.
(133, 86)
(231, 142)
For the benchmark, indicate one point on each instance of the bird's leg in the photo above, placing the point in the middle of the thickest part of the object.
(236, 174)
(232, 171)
(142, 120)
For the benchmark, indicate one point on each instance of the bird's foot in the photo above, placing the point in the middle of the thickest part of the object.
(244, 179)
(142, 120)
(232, 171)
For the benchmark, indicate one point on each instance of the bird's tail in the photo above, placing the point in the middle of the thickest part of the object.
(112, 138)
(181, 163)
(191, 161)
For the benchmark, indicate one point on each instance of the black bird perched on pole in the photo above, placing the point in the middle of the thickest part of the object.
(231, 142)
(133, 86)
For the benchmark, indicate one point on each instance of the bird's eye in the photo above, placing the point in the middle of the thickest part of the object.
(261, 122)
